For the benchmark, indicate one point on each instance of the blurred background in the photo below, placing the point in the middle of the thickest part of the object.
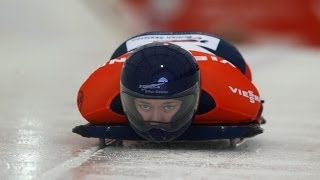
(48, 48)
(244, 21)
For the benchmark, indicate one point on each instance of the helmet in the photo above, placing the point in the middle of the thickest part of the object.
(160, 87)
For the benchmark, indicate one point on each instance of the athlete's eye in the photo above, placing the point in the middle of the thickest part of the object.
(168, 108)
(145, 107)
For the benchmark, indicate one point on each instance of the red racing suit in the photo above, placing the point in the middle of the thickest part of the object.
(228, 96)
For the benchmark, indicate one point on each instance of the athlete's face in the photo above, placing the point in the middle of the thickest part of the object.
(157, 110)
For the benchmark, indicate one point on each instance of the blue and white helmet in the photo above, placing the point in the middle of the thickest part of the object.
(160, 89)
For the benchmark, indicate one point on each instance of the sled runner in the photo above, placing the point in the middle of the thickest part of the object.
(235, 133)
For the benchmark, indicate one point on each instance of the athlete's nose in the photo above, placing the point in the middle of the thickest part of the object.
(154, 116)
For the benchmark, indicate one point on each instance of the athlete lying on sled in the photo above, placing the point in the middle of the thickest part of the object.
(164, 86)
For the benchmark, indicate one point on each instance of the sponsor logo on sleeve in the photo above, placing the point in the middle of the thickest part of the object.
(247, 94)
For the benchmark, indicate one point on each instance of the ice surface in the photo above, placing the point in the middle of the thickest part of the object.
(47, 49)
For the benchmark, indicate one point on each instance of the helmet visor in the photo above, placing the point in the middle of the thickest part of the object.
(165, 114)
